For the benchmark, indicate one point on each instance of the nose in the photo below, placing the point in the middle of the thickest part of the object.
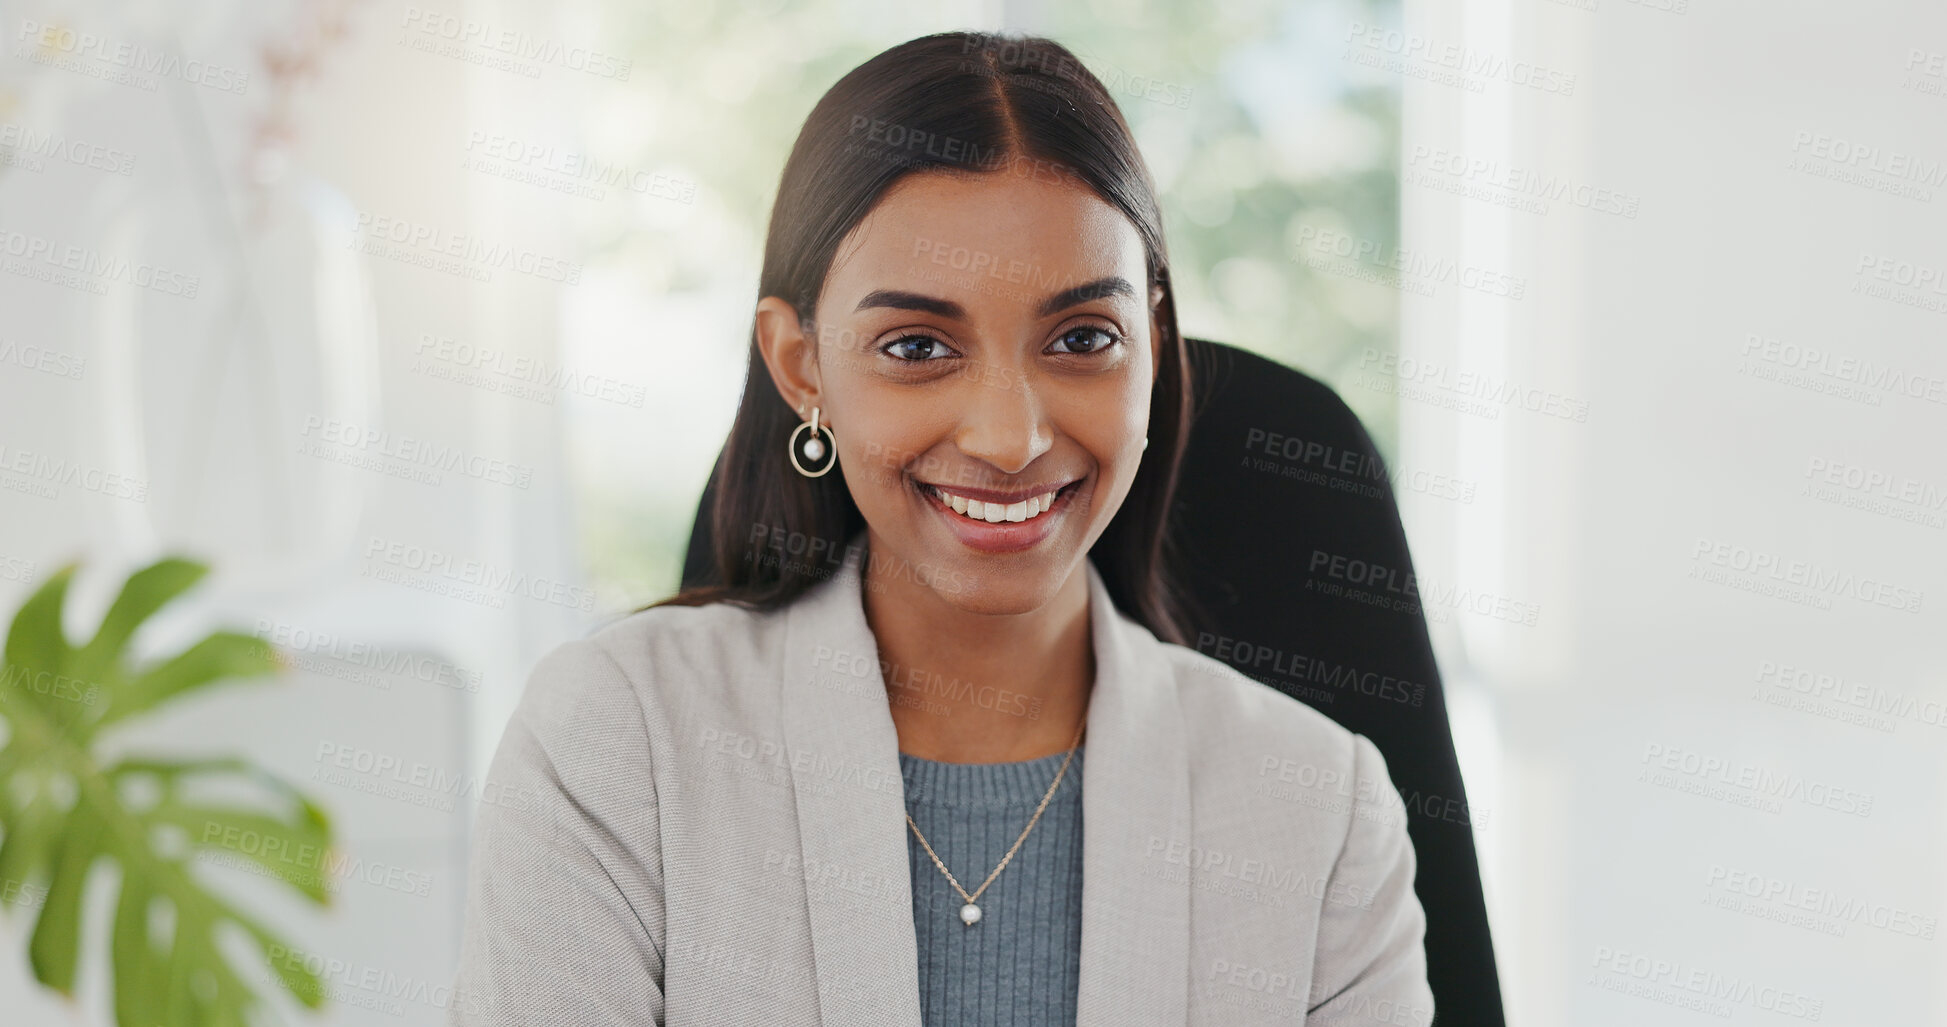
(1004, 421)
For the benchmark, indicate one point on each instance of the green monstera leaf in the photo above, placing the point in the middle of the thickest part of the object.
(65, 806)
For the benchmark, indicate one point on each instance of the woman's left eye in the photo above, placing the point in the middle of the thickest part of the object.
(898, 348)
(1102, 336)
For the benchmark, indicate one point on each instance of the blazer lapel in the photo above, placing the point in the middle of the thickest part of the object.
(1135, 804)
(844, 757)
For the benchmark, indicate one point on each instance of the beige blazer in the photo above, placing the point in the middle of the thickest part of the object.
(718, 836)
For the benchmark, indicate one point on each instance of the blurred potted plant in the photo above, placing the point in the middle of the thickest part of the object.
(65, 804)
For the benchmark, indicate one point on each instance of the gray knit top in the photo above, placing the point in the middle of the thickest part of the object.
(1021, 963)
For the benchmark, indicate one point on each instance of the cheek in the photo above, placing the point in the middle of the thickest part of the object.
(1135, 408)
(1114, 439)
(869, 462)
(877, 448)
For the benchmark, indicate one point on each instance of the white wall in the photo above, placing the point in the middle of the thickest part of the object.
(1704, 209)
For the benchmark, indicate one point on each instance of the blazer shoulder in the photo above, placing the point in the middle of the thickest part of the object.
(1225, 706)
(1207, 682)
(658, 653)
(662, 632)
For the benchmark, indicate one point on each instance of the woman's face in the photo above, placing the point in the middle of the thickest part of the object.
(983, 341)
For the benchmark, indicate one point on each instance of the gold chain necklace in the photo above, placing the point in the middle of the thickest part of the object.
(970, 913)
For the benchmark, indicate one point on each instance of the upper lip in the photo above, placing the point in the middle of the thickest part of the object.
(992, 496)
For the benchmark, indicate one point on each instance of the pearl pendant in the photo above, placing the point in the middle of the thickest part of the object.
(970, 913)
(814, 448)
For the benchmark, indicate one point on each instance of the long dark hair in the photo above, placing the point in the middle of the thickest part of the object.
(963, 101)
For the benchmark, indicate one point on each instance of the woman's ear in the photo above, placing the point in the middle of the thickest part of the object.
(788, 351)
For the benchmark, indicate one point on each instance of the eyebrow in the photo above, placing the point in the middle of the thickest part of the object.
(899, 299)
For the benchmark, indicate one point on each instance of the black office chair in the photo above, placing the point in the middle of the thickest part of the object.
(1283, 488)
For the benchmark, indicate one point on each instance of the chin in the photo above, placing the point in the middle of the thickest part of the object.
(996, 596)
(1004, 583)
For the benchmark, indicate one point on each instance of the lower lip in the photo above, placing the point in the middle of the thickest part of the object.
(1001, 536)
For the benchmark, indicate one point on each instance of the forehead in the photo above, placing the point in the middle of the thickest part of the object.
(1009, 236)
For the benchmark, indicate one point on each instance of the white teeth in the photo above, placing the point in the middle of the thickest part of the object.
(994, 513)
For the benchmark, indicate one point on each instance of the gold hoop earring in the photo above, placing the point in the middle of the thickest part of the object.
(814, 447)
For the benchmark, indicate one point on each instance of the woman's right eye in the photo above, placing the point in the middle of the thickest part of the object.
(913, 348)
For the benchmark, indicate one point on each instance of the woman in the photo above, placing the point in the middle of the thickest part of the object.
(847, 786)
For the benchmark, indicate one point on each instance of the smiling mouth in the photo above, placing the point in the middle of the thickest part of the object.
(982, 512)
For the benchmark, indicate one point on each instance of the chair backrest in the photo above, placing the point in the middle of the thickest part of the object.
(1297, 555)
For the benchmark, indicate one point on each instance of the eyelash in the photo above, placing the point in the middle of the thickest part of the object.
(1115, 339)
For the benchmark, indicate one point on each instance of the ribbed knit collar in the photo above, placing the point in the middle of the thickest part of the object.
(991, 785)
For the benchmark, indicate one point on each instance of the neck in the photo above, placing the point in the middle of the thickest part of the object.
(981, 688)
